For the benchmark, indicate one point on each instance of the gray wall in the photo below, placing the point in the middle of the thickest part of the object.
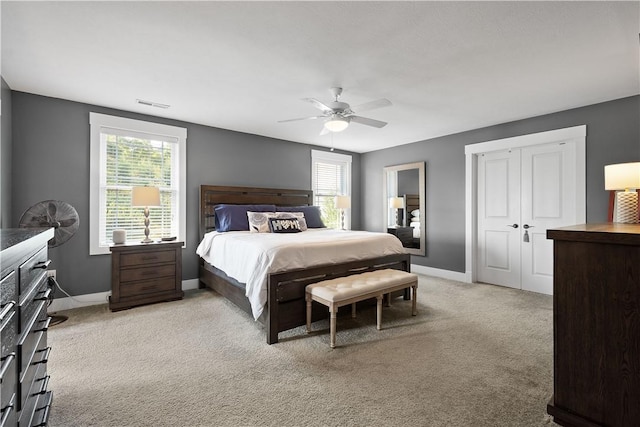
(51, 161)
(613, 136)
(5, 156)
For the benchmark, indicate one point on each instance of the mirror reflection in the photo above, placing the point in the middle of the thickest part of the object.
(404, 201)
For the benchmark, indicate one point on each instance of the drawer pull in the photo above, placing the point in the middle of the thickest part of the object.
(45, 359)
(6, 411)
(7, 308)
(6, 363)
(45, 384)
(43, 265)
(44, 297)
(45, 327)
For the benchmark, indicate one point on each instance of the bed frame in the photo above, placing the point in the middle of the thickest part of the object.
(286, 308)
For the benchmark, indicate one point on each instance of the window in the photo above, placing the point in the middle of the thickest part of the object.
(331, 177)
(128, 153)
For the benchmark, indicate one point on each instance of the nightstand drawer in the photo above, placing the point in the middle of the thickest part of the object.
(147, 287)
(146, 258)
(146, 273)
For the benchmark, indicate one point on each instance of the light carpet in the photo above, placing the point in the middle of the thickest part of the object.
(475, 355)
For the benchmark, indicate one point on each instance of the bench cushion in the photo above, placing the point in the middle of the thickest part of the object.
(343, 288)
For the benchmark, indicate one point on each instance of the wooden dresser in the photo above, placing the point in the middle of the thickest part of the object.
(596, 325)
(145, 273)
(24, 292)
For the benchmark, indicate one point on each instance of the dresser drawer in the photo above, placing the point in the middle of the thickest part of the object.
(146, 258)
(32, 304)
(33, 342)
(32, 271)
(9, 413)
(146, 273)
(8, 382)
(8, 289)
(146, 287)
(34, 383)
(8, 329)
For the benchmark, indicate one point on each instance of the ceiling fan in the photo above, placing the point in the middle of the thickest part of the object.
(337, 115)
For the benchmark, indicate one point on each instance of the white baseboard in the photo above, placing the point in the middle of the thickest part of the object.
(437, 272)
(68, 303)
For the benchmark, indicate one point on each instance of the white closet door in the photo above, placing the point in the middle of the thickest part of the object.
(499, 218)
(522, 193)
(548, 200)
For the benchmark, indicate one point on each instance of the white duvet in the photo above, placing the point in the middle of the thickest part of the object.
(250, 257)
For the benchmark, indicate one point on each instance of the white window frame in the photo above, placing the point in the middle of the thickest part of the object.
(338, 159)
(99, 121)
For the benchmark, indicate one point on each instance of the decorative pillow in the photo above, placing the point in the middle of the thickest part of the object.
(284, 225)
(415, 212)
(311, 214)
(259, 221)
(234, 217)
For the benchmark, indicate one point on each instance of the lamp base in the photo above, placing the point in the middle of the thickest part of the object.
(146, 240)
(627, 207)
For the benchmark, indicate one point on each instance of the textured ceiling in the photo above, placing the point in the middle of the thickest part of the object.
(447, 67)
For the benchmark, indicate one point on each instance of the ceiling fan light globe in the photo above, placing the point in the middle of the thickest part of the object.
(336, 124)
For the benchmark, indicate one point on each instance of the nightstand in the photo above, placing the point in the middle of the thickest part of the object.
(145, 273)
(405, 234)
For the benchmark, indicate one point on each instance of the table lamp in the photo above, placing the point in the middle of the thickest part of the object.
(342, 203)
(397, 203)
(623, 180)
(145, 197)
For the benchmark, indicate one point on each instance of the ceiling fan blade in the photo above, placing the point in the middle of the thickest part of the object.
(301, 118)
(319, 105)
(368, 122)
(378, 103)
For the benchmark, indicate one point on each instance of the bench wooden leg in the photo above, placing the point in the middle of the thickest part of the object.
(353, 310)
(414, 309)
(388, 300)
(309, 303)
(379, 312)
(332, 326)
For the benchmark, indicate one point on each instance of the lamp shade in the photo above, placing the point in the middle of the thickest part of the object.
(145, 196)
(396, 202)
(336, 124)
(343, 202)
(622, 176)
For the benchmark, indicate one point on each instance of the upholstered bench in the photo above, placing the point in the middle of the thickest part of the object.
(335, 293)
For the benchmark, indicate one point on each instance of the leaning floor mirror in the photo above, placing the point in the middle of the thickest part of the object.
(404, 202)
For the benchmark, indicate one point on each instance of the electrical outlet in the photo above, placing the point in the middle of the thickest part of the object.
(51, 273)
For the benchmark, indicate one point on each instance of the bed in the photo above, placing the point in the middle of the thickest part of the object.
(285, 306)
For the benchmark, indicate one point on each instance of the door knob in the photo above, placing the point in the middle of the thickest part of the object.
(512, 225)
(527, 226)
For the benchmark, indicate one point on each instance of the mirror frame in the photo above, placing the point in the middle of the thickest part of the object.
(421, 190)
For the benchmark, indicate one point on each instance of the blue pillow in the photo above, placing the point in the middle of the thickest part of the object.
(311, 214)
(234, 217)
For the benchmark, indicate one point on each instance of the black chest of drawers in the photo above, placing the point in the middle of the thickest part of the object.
(24, 291)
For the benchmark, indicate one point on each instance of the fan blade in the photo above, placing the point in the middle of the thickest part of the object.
(368, 122)
(301, 118)
(52, 210)
(379, 103)
(319, 105)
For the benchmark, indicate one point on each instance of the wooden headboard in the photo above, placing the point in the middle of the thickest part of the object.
(211, 195)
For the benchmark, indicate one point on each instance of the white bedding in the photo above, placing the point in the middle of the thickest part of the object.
(250, 257)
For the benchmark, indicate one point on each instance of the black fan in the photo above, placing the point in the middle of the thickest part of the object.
(52, 213)
(64, 219)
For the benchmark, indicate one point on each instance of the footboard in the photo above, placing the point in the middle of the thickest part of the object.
(286, 307)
